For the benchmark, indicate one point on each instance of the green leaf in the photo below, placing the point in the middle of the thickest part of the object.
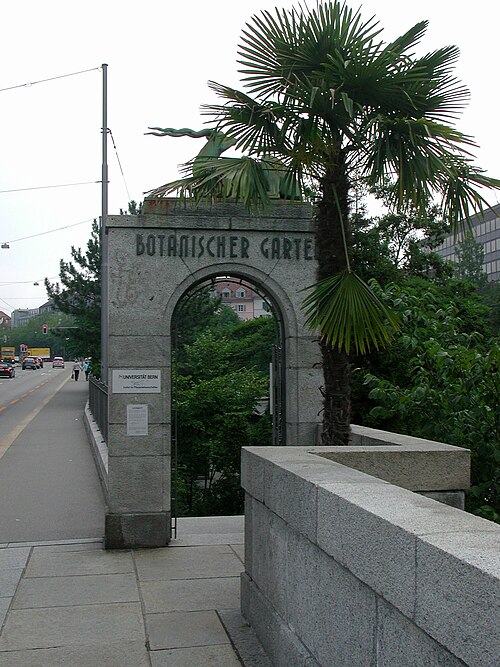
(348, 313)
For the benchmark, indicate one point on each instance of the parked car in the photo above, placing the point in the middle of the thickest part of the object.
(30, 362)
(7, 369)
(57, 362)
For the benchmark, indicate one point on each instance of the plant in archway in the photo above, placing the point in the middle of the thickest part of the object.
(327, 102)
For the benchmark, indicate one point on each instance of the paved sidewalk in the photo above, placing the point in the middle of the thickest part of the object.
(75, 604)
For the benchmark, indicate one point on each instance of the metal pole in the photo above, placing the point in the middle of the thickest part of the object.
(104, 237)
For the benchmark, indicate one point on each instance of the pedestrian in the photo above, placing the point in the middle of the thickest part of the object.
(86, 369)
(76, 369)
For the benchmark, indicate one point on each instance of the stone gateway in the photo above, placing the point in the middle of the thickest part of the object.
(154, 260)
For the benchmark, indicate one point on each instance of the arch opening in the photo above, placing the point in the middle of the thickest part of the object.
(228, 389)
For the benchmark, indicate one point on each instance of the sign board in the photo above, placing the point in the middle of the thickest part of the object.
(132, 381)
(137, 419)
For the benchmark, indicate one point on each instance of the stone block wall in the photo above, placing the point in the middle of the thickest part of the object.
(345, 569)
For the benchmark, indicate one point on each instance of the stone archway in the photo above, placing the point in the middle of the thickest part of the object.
(153, 260)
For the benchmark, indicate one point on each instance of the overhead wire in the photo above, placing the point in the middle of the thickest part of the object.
(51, 231)
(43, 187)
(52, 78)
(120, 164)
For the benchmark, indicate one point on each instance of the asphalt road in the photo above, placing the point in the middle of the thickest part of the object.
(49, 487)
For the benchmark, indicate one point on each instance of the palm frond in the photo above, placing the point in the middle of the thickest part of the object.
(247, 180)
(347, 313)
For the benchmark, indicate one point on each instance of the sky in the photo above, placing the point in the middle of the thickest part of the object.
(160, 56)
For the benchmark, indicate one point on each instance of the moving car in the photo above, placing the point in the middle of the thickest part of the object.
(7, 369)
(57, 362)
(30, 362)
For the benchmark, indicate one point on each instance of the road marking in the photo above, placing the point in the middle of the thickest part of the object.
(13, 401)
(7, 441)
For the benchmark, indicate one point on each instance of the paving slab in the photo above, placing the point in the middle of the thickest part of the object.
(14, 557)
(62, 563)
(9, 579)
(181, 629)
(4, 606)
(206, 656)
(190, 594)
(123, 654)
(66, 626)
(72, 591)
(187, 563)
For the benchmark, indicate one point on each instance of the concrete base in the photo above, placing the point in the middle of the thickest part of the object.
(128, 531)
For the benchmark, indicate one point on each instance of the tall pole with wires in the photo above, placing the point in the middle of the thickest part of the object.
(104, 244)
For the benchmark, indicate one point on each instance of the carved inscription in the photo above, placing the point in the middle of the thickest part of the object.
(222, 246)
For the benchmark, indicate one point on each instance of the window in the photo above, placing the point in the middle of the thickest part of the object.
(226, 293)
(241, 307)
(240, 293)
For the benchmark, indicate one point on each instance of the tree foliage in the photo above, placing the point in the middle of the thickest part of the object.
(217, 385)
(441, 379)
(79, 294)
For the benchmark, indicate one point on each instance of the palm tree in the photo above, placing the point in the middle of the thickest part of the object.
(335, 104)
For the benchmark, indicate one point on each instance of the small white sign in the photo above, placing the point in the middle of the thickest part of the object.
(130, 381)
(137, 419)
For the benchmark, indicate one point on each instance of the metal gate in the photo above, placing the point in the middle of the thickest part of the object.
(277, 395)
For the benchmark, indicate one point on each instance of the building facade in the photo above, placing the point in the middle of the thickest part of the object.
(22, 316)
(245, 302)
(486, 229)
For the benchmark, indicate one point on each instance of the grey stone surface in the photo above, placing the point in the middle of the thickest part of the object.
(379, 553)
(270, 556)
(452, 498)
(244, 639)
(158, 406)
(63, 626)
(140, 351)
(9, 580)
(155, 443)
(139, 484)
(182, 629)
(330, 610)
(400, 643)
(61, 562)
(291, 497)
(4, 606)
(420, 469)
(150, 280)
(105, 654)
(71, 591)
(278, 639)
(190, 594)
(206, 656)
(14, 557)
(193, 563)
(248, 546)
(458, 593)
(252, 473)
(390, 577)
(137, 530)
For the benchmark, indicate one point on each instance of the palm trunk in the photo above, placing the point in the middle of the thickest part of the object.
(331, 256)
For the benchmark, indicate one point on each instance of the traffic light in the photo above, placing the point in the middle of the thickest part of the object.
(44, 328)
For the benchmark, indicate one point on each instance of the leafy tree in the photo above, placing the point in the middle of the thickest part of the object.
(31, 333)
(79, 295)
(470, 260)
(327, 103)
(441, 380)
(215, 416)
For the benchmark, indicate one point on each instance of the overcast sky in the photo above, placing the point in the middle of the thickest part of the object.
(159, 58)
